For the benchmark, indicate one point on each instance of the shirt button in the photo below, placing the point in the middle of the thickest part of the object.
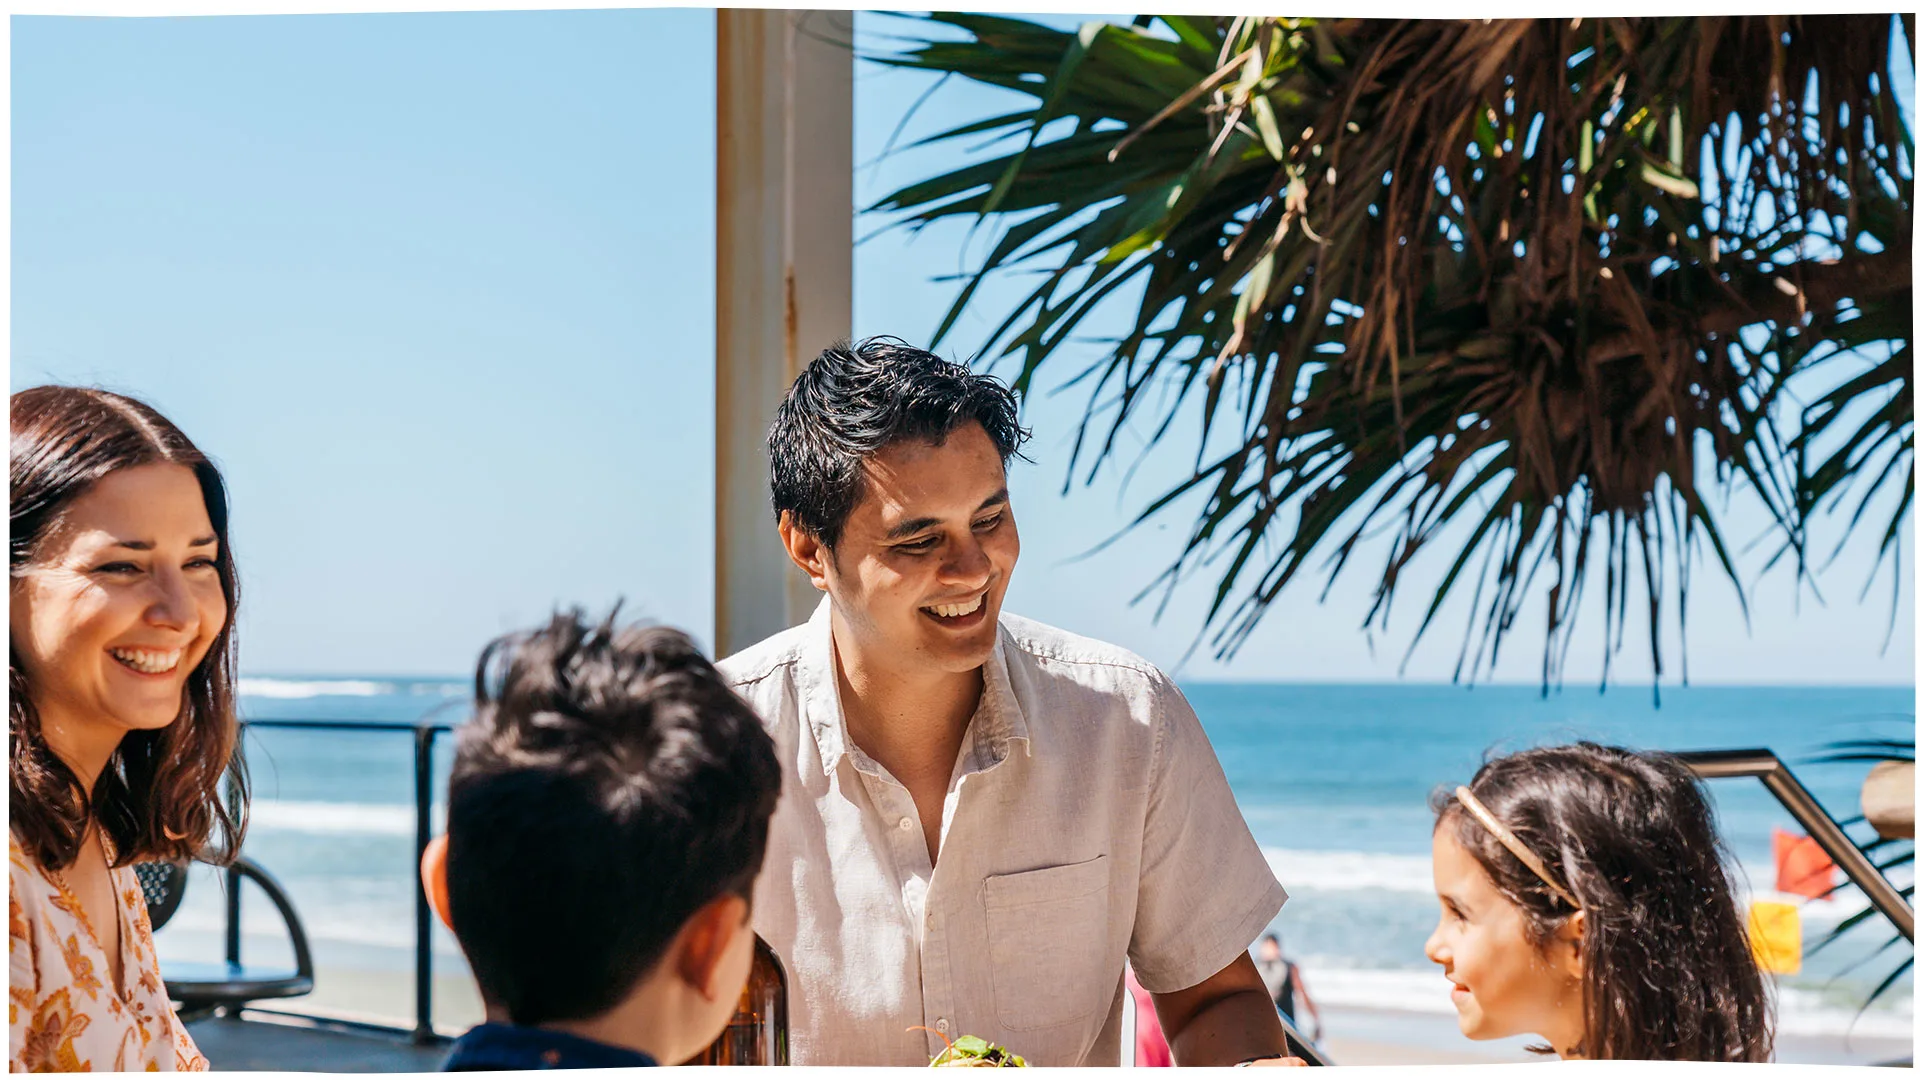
(906, 823)
(940, 1025)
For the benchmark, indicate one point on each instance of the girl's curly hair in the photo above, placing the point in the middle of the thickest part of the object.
(1669, 973)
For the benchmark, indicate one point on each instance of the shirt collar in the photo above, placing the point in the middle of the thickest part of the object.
(997, 723)
(511, 1047)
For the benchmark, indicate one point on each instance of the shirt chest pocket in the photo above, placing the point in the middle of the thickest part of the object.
(1047, 939)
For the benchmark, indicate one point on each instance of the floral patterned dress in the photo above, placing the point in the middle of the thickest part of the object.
(62, 1016)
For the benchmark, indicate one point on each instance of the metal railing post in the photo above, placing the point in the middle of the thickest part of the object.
(424, 731)
(233, 878)
(422, 911)
(1798, 801)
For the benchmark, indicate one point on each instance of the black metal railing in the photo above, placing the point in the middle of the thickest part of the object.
(1786, 789)
(424, 733)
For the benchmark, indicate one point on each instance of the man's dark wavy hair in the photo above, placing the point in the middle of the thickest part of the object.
(855, 400)
(159, 796)
(608, 786)
(1669, 974)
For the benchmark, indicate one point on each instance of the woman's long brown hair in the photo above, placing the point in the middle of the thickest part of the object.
(159, 796)
(1668, 972)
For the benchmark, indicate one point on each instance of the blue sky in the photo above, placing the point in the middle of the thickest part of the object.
(436, 290)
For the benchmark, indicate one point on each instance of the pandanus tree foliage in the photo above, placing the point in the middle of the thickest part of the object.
(1521, 295)
(1889, 854)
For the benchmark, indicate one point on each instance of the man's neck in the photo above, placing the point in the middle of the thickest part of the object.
(910, 722)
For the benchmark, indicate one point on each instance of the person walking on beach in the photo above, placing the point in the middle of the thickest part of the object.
(1284, 983)
(1585, 899)
(122, 716)
(983, 818)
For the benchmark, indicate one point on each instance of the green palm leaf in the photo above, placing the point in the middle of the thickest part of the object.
(1493, 287)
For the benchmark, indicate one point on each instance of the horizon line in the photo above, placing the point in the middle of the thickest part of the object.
(1411, 683)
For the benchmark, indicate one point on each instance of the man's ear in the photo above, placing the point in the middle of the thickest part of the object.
(704, 942)
(433, 877)
(805, 549)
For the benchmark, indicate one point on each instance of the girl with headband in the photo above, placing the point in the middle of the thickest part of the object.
(1584, 899)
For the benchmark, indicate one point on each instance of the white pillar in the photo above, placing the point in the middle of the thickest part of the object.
(784, 280)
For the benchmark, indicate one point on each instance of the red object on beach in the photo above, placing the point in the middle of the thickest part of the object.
(1801, 866)
(1150, 1048)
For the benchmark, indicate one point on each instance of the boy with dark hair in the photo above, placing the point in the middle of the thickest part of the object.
(606, 817)
(1003, 814)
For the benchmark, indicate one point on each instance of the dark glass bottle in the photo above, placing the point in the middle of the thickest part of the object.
(757, 1034)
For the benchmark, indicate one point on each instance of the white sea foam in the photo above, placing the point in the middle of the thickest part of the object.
(326, 919)
(1337, 871)
(1304, 871)
(340, 819)
(1801, 1012)
(1366, 988)
(311, 688)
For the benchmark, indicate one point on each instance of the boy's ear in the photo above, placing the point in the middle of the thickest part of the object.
(433, 877)
(805, 549)
(704, 942)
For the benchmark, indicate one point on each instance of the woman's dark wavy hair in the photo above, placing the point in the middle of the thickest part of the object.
(1669, 974)
(853, 401)
(159, 796)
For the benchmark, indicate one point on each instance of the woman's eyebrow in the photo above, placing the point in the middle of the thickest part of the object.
(147, 545)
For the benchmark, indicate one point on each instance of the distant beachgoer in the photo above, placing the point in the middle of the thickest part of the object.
(122, 716)
(606, 815)
(1585, 899)
(1284, 983)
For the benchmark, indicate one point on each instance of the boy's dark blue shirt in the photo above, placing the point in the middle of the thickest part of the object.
(504, 1047)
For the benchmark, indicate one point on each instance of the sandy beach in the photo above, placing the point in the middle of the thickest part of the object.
(1356, 1036)
(1397, 1037)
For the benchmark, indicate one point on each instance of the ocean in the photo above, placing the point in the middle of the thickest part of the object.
(1334, 782)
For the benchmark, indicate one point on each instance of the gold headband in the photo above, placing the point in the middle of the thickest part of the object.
(1512, 843)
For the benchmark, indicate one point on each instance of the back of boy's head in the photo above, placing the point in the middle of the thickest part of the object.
(609, 786)
(1669, 972)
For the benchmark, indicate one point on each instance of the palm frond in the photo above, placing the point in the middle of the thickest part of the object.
(1528, 291)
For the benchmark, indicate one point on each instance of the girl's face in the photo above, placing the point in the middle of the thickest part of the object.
(119, 605)
(1502, 984)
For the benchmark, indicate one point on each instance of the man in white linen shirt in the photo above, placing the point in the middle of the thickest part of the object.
(983, 818)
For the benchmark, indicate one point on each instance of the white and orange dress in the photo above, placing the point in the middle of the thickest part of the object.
(63, 1014)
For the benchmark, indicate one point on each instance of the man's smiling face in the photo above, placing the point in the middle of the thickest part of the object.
(922, 564)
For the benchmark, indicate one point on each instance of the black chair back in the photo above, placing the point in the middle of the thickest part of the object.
(164, 884)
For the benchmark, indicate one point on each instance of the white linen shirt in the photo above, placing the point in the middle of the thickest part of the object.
(1087, 823)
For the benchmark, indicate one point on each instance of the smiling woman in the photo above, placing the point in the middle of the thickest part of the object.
(121, 659)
